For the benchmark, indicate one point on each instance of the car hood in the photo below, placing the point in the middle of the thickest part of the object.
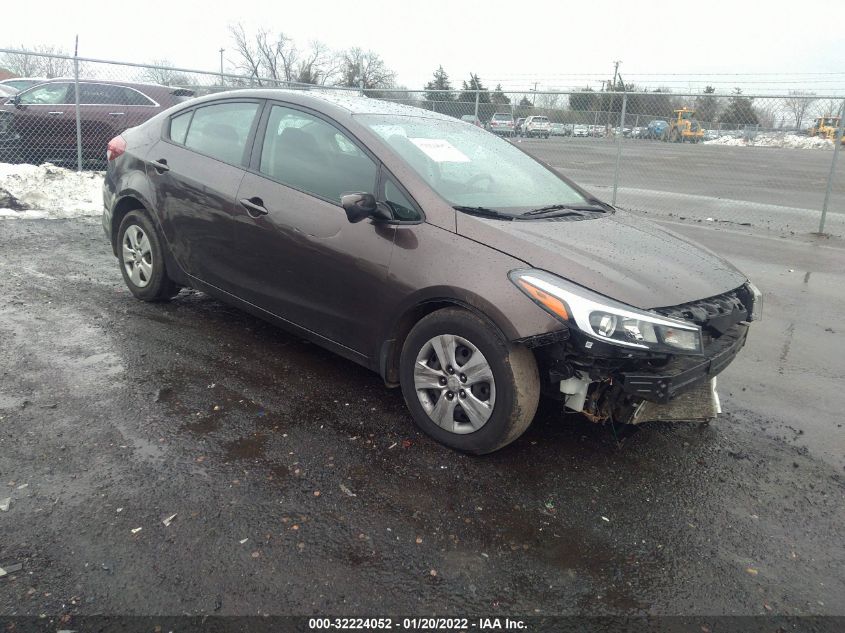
(619, 255)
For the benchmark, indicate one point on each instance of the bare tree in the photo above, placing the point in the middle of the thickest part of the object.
(365, 69)
(161, 72)
(797, 104)
(828, 107)
(270, 58)
(20, 64)
(26, 64)
(549, 100)
(250, 56)
(317, 66)
(55, 66)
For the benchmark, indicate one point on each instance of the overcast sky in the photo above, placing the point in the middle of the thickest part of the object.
(557, 44)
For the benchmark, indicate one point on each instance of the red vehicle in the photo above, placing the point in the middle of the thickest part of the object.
(39, 124)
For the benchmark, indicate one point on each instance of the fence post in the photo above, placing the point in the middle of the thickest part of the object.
(76, 102)
(477, 92)
(837, 143)
(619, 147)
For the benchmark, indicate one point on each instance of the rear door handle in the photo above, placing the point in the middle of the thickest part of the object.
(254, 206)
(55, 113)
(160, 165)
(117, 113)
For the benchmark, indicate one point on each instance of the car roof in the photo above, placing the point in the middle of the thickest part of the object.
(339, 103)
(106, 82)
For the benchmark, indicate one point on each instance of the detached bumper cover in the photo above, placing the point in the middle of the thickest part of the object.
(683, 373)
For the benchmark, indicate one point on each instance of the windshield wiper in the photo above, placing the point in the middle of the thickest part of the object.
(484, 212)
(568, 208)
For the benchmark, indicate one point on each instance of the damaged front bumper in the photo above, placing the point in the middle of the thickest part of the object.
(604, 382)
(683, 373)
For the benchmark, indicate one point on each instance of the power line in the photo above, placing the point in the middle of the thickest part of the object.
(601, 74)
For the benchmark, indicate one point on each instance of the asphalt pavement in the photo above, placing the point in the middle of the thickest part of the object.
(300, 486)
(779, 189)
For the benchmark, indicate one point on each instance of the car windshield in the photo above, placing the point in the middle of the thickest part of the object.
(470, 167)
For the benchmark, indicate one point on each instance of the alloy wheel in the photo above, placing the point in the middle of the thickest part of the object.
(137, 256)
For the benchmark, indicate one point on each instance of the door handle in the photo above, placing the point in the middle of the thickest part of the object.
(55, 113)
(117, 113)
(254, 206)
(160, 165)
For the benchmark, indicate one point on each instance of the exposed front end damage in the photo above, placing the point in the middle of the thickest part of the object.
(604, 381)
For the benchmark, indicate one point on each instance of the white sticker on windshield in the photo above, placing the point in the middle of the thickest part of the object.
(440, 150)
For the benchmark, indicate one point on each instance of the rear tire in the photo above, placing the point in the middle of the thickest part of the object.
(141, 257)
(492, 401)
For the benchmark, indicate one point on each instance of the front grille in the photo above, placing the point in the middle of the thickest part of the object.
(717, 314)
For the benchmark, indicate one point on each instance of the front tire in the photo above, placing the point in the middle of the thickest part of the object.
(465, 385)
(141, 257)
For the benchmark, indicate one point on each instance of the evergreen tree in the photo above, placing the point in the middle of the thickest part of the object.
(468, 90)
(707, 106)
(740, 111)
(525, 101)
(434, 89)
(583, 100)
(498, 97)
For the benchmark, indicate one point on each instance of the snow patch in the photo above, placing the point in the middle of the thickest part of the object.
(47, 191)
(791, 141)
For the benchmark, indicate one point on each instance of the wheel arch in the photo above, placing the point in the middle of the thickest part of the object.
(130, 201)
(412, 312)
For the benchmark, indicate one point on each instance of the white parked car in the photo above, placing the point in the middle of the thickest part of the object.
(501, 123)
(537, 126)
(580, 130)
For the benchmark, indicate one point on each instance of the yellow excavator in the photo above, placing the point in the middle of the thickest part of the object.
(826, 127)
(684, 127)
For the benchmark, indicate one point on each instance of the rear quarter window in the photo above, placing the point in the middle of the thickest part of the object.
(179, 127)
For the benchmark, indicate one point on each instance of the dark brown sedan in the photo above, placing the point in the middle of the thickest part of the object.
(428, 250)
(39, 123)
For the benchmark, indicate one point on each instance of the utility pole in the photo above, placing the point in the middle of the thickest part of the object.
(534, 97)
(615, 72)
(221, 66)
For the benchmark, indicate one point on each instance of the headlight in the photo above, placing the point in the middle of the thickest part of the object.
(605, 319)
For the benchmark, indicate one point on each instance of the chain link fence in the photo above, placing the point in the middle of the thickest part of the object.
(733, 159)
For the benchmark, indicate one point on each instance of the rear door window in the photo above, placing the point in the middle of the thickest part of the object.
(312, 155)
(104, 94)
(221, 130)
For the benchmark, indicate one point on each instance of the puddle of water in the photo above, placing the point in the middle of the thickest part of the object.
(251, 447)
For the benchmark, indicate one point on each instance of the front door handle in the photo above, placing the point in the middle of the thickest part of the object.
(117, 113)
(254, 206)
(55, 113)
(160, 165)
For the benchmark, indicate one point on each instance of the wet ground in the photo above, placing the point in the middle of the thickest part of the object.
(778, 189)
(300, 486)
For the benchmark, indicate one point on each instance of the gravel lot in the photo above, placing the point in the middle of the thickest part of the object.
(300, 486)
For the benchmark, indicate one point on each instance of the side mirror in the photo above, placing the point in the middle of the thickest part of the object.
(358, 206)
